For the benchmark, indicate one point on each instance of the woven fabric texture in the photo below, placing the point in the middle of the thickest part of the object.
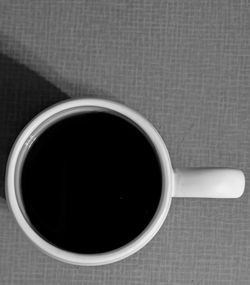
(184, 65)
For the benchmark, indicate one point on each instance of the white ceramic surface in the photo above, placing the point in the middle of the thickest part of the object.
(206, 183)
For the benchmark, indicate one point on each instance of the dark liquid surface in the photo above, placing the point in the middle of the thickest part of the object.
(91, 183)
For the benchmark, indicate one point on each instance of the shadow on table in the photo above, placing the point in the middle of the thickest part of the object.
(23, 94)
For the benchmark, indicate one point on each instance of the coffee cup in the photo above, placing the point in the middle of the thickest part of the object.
(138, 183)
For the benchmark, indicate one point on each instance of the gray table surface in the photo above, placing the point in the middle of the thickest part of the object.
(185, 65)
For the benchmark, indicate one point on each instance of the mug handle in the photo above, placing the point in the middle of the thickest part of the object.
(208, 183)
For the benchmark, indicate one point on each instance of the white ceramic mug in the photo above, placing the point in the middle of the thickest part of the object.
(203, 183)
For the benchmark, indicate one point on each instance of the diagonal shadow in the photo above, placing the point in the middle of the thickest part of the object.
(23, 94)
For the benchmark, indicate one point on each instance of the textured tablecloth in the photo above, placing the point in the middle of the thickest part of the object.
(185, 65)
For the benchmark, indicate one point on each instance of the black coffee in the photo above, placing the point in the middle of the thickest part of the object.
(91, 183)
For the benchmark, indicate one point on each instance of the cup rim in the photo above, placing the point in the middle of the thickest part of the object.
(99, 258)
